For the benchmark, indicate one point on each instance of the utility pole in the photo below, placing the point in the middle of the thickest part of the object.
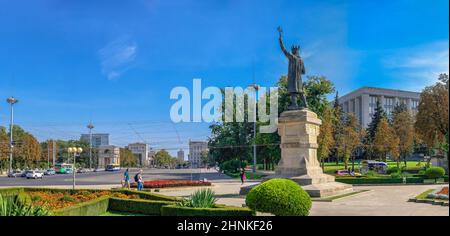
(48, 154)
(256, 88)
(53, 152)
(11, 101)
(90, 126)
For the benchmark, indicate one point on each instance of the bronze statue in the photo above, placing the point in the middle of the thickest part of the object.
(296, 69)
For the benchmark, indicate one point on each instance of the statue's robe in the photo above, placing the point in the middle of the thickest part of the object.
(296, 69)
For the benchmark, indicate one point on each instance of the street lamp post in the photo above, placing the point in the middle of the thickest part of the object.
(11, 101)
(75, 151)
(256, 88)
(90, 126)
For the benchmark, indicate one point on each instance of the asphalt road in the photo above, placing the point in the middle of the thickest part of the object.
(106, 178)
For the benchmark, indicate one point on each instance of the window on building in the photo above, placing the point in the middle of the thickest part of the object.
(414, 104)
(372, 104)
(389, 105)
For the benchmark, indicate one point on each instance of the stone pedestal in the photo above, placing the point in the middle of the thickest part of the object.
(299, 130)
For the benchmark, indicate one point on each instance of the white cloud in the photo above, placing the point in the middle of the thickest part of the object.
(418, 66)
(117, 57)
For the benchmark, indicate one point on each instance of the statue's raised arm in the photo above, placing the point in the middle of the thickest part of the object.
(280, 30)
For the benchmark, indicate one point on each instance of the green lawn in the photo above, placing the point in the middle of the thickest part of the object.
(116, 213)
(424, 194)
(331, 167)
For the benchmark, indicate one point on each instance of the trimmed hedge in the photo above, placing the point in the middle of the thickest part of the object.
(364, 180)
(10, 191)
(219, 210)
(148, 195)
(281, 197)
(92, 208)
(146, 207)
(435, 172)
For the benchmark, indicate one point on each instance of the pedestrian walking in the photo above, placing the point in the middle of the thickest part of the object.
(126, 179)
(243, 176)
(139, 180)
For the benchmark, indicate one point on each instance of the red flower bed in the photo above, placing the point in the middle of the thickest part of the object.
(444, 190)
(172, 183)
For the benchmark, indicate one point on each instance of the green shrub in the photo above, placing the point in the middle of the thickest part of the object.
(393, 170)
(19, 206)
(281, 197)
(66, 198)
(218, 210)
(435, 172)
(203, 198)
(380, 180)
(146, 207)
(92, 208)
(371, 173)
(396, 175)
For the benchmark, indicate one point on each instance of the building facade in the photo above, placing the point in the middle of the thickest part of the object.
(97, 139)
(108, 155)
(180, 155)
(195, 152)
(362, 102)
(141, 152)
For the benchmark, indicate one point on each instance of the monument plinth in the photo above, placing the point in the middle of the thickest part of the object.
(299, 130)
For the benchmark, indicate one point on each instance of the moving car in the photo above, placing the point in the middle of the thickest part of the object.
(69, 171)
(82, 170)
(15, 173)
(50, 172)
(112, 167)
(32, 174)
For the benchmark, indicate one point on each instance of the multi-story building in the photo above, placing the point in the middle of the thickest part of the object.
(141, 152)
(97, 139)
(362, 102)
(108, 155)
(195, 152)
(180, 155)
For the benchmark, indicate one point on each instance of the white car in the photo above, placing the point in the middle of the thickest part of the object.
(32, 174)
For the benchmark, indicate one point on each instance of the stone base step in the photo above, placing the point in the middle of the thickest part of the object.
(327, 189)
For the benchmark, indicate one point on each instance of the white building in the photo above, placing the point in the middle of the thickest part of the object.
(195, 152)
(97, 139)
(362, 102)
(141, 152)
(180, 155)
(108, 155)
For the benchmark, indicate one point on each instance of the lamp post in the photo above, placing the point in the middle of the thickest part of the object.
(75, 151)
(90, 126)
(11, 101)
(256, 88)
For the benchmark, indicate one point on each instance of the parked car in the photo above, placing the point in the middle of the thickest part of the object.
(342, 172)
(15, 173)
(50, 172)
(32, 174)
(82, 170)
(69, 171)
(24, 173)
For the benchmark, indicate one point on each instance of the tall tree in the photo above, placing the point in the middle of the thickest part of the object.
(337, 127)
(127, 158)
(432, 119)
(163, 158)
(386, 141)
(378, 115)
(403, 126)
(325, 138)
(4, 149)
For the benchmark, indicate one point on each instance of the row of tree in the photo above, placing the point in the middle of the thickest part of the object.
(341, 136)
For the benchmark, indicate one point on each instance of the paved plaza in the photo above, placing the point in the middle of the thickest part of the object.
(379, 201)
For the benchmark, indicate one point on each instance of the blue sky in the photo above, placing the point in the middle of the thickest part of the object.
(115, 62)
